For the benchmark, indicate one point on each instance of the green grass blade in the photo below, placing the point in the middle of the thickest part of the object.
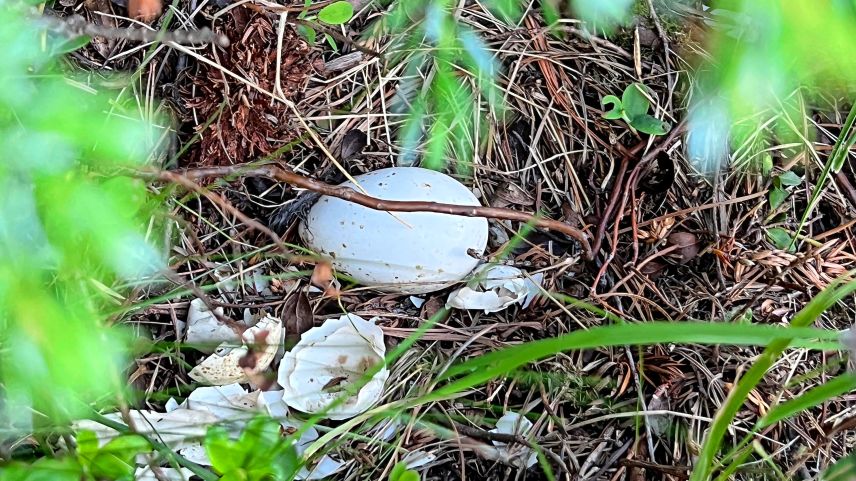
(738, 395)
(836, 387)
(483, 368)
(833, 164)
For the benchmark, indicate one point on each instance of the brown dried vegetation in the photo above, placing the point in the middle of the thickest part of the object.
(245, 124)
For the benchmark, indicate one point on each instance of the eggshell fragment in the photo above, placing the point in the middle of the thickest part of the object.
(514, 423)
(494, 288)
(204, 330)
(177, 429)
(330, 358)
(407, 252)
(225, 366)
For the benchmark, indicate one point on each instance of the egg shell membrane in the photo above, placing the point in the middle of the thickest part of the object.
(229, 402)
(345, 347)
(204, 330)
(494, 287)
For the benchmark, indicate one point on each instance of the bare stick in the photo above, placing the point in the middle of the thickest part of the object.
(351, 195)
(77, 26)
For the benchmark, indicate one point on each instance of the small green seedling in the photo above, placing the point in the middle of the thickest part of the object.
(780, 238)
(337, 13)
(401, 473)
(778, 192)
(633, 107)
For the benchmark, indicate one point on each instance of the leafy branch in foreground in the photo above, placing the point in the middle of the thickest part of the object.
(459, 73)
(69, 229)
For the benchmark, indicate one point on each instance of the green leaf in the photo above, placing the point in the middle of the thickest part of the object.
(766, 164)
(87, 444)
(789, 178)
(127, 445)
(116, 459)
(70, 45)
(634, 101)
(550, 10)
(779, 237)
(401, 473)
(650, 125)
(843, 470)
(734, 402)
(332, 42)
(480, 369)
(259, 442)
(506, 10)
(285, 462)
(336, 13)
(235, 475)
(308, 33)
(777, 196)
(107, 465)
(833, 388)
(616, 111)
(225, 454)
(44, 469)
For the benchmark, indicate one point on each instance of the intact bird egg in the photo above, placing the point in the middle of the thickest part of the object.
(407, 252)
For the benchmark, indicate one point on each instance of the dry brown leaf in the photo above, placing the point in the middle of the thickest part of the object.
(297, 317)
(322, 277)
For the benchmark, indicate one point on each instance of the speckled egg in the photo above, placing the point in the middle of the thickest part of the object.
(407, 252)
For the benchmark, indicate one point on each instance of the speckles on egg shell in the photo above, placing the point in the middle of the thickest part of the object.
(379, 251)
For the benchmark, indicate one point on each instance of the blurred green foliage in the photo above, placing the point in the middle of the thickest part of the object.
(70, 228)
(449, 89)
(770, 62)
(115, 461)
(259, 454)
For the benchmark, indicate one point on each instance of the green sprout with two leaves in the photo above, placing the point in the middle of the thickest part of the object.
(633, 108)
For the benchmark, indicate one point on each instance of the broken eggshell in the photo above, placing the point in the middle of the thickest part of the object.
(406, 252)
(496, 287)
(330, 358)
(515, 424)
(224, 366)
(184, 426)
(204, 330)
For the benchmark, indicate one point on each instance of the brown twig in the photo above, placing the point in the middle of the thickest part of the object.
(77, 26)
(506, 438)
(681, 472)
(620, 188)
(351, 195)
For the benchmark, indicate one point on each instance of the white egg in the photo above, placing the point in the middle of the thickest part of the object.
(408, 252)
